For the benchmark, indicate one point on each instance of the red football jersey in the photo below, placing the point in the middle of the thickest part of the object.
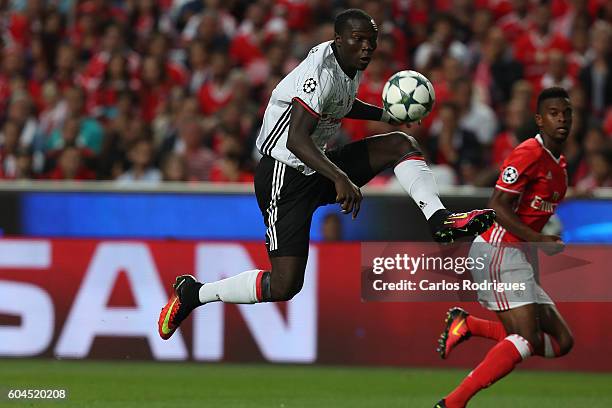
(538, 178)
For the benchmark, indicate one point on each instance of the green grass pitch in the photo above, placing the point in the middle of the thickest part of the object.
(182, 385)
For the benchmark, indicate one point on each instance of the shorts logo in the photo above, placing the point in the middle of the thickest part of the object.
(310, 85)
(510, 175)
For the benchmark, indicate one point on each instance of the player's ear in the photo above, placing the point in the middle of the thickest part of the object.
(538, 119)
(337, 39)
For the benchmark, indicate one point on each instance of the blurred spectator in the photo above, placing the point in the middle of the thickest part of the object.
(522, 90)
(577, 10)
(113, 42)
(212, 17)
(390, 29)
(155, 89)
(516, 114)
(23, 23)
(229, 167)
(600, 171)
(596, 77)
(594, 141)
(497, 71)
(9, 146)
(174, 168)
(516, 23)
(199, 65)
(66, 63)
(453, 145)
(116, 80)
(21, 112)
(89, 134)
(481, 23)
(475, 116)
(140, 157)
(70, 166)
(556, 73)
(578, 58)
(441, 42)
(247, 44)
(218, 90)
(199, 158)
(531, 48)
(158, 47)
(331, 228)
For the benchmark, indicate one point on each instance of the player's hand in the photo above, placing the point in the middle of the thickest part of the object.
(348, 195)
(552, 244)
(390, 119)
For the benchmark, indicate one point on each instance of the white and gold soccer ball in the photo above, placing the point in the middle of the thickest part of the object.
(408, 96)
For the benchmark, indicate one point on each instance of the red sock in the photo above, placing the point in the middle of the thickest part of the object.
(498, 362)
(486, 328)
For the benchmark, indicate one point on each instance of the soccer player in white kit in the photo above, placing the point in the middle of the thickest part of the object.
(296, 174)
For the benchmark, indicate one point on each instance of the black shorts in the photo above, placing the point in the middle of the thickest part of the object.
(288, 199)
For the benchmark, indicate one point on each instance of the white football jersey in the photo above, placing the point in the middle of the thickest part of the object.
(323, 89)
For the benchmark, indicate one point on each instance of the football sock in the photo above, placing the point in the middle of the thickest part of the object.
(551, 347)
(498, 362)
(416, 178)
(485, 328)
(246, 287)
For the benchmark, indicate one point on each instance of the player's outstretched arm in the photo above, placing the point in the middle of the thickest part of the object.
(364, 111)
(302, 124)
(502, 202)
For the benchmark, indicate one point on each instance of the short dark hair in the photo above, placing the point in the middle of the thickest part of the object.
(551, 93)
(342, 19)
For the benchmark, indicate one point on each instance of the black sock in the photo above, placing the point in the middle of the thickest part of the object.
(436, 220)
(190, 294)
(266, 289)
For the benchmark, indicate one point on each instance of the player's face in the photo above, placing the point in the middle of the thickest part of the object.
(555, 118)
(357, 43)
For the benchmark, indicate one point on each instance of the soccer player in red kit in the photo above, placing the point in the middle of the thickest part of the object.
(532, 183)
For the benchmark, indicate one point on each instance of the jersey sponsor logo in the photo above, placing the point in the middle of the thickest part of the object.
(309, 85)
(538, 203)
(549, 175)
(510, 175)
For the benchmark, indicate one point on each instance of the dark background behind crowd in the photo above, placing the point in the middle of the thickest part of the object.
(149, 91)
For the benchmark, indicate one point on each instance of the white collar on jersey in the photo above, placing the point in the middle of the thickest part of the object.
(541, 141)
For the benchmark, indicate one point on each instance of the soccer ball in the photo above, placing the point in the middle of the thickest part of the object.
(408, 96)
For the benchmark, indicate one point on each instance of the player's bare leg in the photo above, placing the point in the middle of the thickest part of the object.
(402, 152)
(536, 330)
(286, 277)
(558, 338)
(283, 282)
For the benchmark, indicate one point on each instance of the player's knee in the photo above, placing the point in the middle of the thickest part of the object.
(285, 290)
(403, 143)
(534, 338)
(566, 343)
(283, 294)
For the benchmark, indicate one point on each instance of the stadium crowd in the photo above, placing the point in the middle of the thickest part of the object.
(174, 90)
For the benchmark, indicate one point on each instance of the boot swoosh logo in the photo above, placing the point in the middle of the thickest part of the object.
(165, 329)
(455, 330)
